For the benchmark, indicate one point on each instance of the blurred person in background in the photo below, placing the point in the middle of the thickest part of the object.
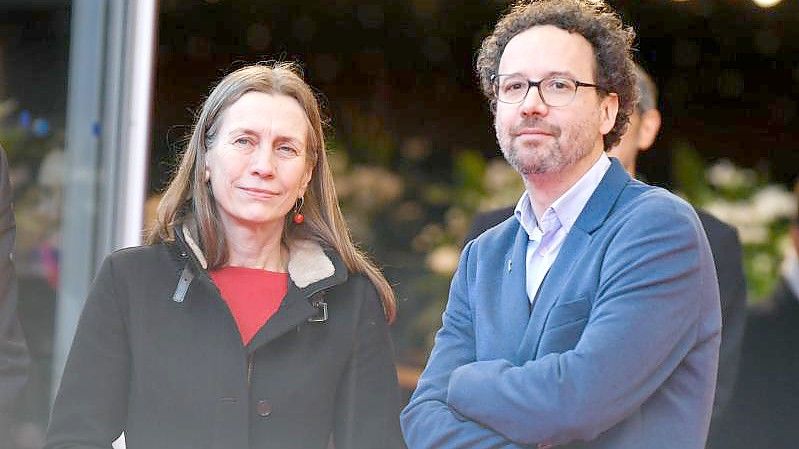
(725, 245)
(764, 410)
(13, 351)
(250, 319)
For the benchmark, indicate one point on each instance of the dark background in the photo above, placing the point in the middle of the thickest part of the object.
(727, 69)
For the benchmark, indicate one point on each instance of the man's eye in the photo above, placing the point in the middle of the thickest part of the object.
(559, 85)
(242, 141)
(513, 86)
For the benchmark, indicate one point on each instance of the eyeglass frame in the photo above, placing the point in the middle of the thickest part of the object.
(530, 83)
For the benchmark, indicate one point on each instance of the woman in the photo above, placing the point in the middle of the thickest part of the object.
(250, 319)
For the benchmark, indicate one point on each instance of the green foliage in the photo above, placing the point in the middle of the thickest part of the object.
(689, 173)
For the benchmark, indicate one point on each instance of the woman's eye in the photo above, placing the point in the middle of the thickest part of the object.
(287, 150)
(242, 141)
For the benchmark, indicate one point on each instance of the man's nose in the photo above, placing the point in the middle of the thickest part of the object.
(533, 103)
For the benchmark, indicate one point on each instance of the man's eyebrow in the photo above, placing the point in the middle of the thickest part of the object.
(556, 73)
(562, 73)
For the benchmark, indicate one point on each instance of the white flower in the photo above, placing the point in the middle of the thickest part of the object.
(725, 174)
(752, 234)
(738, 214)
(773, 202)
(443, 260)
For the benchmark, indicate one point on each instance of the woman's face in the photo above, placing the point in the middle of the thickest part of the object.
(257, 164)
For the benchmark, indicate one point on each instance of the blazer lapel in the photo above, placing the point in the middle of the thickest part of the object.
(556, 279)
(512, 303)
(595, 212)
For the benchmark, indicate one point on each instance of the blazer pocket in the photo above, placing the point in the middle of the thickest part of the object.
(565, 326)
(569, 312)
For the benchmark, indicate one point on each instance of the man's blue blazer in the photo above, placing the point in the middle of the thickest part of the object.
(619, 349)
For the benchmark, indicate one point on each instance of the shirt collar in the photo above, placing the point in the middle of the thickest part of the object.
(567, 207)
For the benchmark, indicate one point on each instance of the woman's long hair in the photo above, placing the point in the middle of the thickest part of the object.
(188, 200)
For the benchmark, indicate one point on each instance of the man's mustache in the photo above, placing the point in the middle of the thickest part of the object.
(536, 124)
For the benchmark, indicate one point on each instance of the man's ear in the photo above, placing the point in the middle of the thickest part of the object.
(795, 236)
(648, 129)
(608, 108)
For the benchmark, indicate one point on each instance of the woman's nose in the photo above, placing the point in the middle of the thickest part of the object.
(261, 162)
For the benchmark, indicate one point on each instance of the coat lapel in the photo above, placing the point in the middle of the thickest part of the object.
(312, 269)
(296, 308)
(595, 212)
(293, 311)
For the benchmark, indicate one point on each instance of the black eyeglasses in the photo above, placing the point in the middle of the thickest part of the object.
(555, 91)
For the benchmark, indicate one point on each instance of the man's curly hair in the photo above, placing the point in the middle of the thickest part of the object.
(592, 19)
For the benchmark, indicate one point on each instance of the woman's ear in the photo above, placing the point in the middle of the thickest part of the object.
(306, 181)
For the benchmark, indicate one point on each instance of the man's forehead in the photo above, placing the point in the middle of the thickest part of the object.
(546, 49)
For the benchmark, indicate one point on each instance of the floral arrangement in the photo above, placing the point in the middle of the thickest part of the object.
(744, 198)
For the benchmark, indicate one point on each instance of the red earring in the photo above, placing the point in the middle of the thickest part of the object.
(298, 218)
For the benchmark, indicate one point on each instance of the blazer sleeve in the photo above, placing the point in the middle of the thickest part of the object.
(13, 351)
(428, 421)
(367, 400)
(648, 307)
(90, 409)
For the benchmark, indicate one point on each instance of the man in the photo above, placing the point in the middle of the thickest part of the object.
(591, 320)
(13, 352)
(724, 244)
(765, 407)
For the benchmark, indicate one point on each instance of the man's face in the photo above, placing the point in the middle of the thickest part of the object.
(639, 136)
(536, 138)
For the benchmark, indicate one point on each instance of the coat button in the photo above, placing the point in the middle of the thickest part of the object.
(264, 408)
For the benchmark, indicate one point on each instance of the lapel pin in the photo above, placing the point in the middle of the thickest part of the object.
(510, 265)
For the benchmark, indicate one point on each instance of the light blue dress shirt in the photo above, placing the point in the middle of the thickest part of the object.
(547, 234)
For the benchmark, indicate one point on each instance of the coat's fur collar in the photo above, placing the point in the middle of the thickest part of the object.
(308, 262)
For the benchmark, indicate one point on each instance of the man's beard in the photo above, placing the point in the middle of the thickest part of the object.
(542, 157)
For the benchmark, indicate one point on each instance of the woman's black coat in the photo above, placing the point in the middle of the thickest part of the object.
(158, 355)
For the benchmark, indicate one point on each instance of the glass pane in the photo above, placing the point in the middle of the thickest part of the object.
(34, 53)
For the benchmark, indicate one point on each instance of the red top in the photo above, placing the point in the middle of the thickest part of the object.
(252, 295)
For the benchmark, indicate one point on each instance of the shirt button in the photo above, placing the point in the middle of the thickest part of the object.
(264, 408)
